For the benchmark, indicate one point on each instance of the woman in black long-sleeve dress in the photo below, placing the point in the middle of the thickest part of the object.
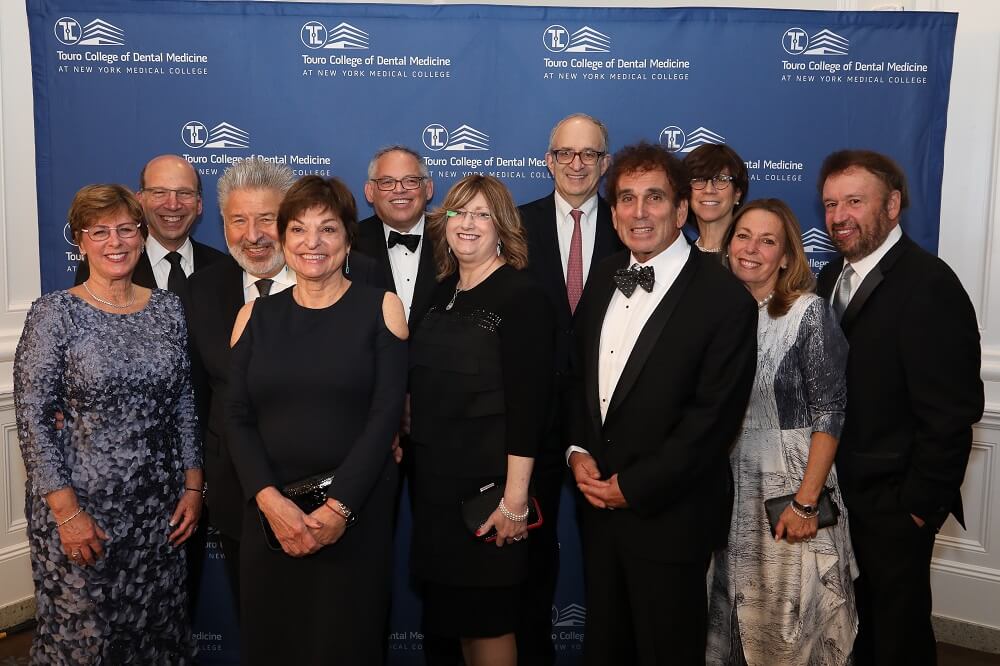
(317, 385)
(480, 385)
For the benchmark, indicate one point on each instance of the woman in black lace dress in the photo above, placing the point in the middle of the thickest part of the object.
(112, 494)
(480, 383)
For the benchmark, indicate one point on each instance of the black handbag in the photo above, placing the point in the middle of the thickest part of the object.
(828, 510)
(308, 494)
(476, 509)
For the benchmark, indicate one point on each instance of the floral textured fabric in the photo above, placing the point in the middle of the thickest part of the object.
(775, 603)
(122, 382)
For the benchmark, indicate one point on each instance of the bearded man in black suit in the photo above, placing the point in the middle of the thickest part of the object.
(667, 341)
(913, 394)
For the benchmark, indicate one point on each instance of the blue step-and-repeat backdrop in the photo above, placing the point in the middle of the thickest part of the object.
(320, 87)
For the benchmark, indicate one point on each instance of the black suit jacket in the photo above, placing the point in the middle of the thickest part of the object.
(371, 241)
(204, 256)
(913, 386)
(215, 298)
(675, 413)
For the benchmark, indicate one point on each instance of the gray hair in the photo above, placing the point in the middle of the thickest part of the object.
(254, 173)
(398, 149)
(581, 116)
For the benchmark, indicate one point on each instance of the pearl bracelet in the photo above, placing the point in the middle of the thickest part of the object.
(802, 514)
(510, 515)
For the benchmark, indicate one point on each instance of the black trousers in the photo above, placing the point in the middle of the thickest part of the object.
(894, 590)
(639, 611)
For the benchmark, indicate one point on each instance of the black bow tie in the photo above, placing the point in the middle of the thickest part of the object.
(410, 241)
(628, 278)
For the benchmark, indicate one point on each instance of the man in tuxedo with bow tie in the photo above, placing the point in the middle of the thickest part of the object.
(398, 188)
(667, 341)
(913, 394)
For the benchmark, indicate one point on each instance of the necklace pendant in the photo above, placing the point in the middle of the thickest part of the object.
(451, 303)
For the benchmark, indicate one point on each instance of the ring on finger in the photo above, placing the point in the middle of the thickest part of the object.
(76, 554)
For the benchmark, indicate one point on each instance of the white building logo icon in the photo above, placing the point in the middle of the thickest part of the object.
(196, 134)
(557, 39)
(343, 37)
(674, 139)
(573, 615)
(437, 137)
(96, 33)
(797, 41)
(816, 240)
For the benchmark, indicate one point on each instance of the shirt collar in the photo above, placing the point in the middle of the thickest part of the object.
(668, 262)
(563, 208)
(863, 266)
(157, 252)
(283, 277)
(417, 230)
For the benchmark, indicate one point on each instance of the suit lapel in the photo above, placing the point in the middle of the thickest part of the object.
(377, 248)
(593, 352)
(606, 241)
(143, 273)
(550, 259)
(426, 272)
(650, 333)
(871, 282)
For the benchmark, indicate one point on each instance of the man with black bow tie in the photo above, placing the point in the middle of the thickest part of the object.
(398, 188)
(913, 394)
(667, 341)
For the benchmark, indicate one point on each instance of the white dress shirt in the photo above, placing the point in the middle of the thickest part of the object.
(284, 279)
(158, 260)
(862, 267)
(588, 231)
(405, 264)
(626, 317)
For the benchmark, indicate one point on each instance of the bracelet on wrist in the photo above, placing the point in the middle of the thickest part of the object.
(510, 515)
(78, 511)
(804, 515)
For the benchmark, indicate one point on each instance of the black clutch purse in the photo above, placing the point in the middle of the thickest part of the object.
(476, 509)
(828, 510)
(308, 494)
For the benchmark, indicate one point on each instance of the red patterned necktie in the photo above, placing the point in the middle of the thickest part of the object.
(574, 267)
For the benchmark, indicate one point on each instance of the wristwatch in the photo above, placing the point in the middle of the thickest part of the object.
(809, 510)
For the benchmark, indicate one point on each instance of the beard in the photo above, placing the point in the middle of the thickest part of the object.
(258, 267)
(868, 240)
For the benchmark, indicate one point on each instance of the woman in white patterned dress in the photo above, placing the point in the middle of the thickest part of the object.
(788, 598)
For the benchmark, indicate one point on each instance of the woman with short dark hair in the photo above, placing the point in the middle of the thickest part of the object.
(719, 184)
(316, 394)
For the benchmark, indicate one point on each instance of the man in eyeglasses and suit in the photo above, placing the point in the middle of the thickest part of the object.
(568, 231)
(170, 194)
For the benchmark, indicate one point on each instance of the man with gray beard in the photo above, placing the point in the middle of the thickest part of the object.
(249, 192)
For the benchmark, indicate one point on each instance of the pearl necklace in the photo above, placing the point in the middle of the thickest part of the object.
(112, 304)
(698, 244)
(764, 301)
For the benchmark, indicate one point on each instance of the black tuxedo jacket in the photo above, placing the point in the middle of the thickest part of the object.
(215, 298)
(913, 386)
(204, 256)
(371, 241)
(675, 412)
(545, 264)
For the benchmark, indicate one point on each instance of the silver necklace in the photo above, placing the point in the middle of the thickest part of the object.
(459, 290)
(764, 301)
(131, 298)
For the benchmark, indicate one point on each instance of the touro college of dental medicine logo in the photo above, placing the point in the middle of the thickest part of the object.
(343, 37)
(816, 240)
(96, 33)
(558, 39)
(196, 134)
(675, 140)
(797, 41)
(437, 137)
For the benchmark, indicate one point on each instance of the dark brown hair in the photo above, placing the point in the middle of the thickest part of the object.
(881, 166)
(709, 160)
(642, 157)
(325, 194)
(506, 221)
(796, 278)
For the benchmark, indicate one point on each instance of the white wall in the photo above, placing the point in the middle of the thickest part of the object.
(967, 563)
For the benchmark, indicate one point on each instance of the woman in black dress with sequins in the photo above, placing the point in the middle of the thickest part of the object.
(480, 385)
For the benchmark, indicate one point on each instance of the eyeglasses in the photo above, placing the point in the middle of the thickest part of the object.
(389, 184)
(477, 215)
(720, 181)
(161, 194)
(587, 155)
(102, 233)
